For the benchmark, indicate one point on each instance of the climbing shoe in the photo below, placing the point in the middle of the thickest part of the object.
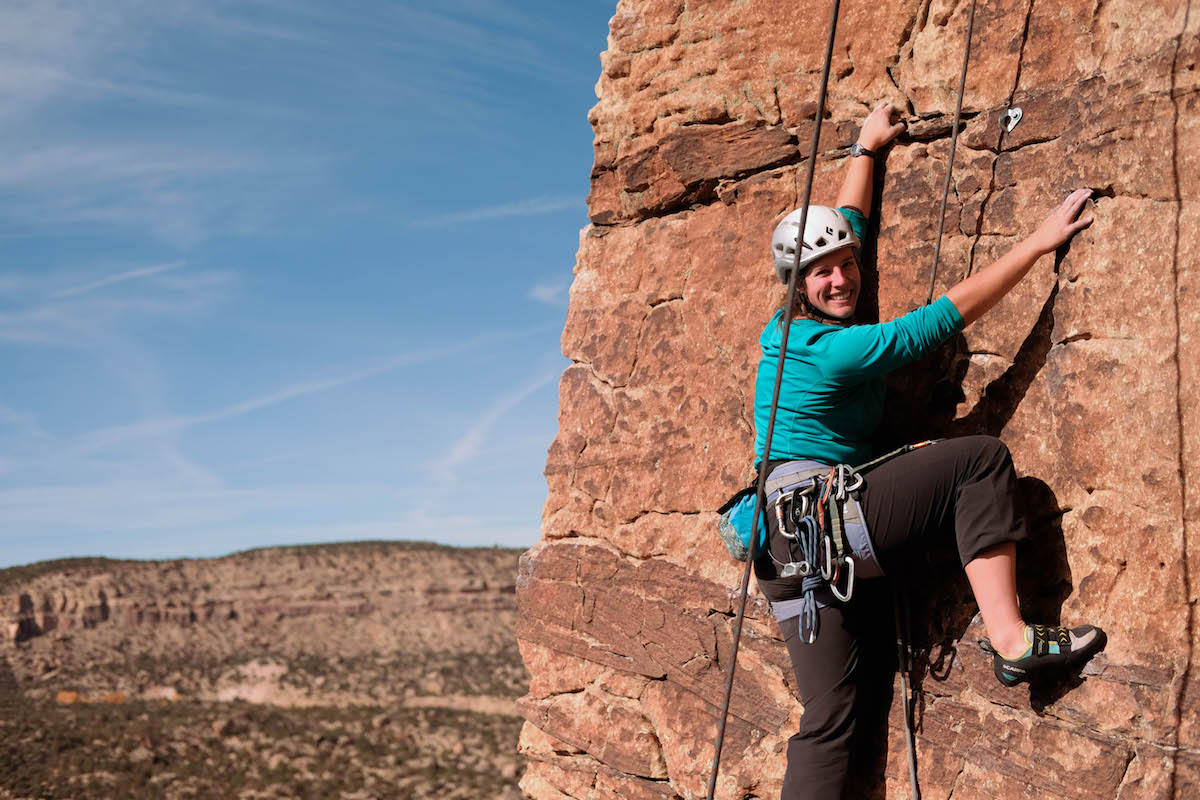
(1049, 647)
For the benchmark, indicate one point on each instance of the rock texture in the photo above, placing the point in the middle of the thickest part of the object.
(1088, 371)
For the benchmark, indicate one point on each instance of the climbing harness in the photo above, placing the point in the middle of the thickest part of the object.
(760, 495)
(817, 513)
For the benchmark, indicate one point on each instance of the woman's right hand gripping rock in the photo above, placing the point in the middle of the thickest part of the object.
(983, 289)
(1062, 224)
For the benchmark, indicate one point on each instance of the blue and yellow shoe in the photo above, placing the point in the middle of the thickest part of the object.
(1048, 647)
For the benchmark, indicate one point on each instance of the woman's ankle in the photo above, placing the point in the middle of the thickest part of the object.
(1012, 641)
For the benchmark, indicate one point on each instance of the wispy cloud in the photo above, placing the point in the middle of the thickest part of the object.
(442, 33)
(468, 445)
(79, 317)
(10, 284)
(120, 277)
(147, 503)
(27, 423)
(552, 293)
(120, 434)
(178, 192)
(91, 50)
(519, 208)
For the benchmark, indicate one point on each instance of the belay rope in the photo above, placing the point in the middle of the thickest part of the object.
(904, 649)
(962, 87)
(793, 280)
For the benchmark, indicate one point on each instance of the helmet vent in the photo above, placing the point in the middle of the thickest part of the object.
(822, 242)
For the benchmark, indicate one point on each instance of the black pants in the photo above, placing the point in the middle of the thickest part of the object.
(967, 484)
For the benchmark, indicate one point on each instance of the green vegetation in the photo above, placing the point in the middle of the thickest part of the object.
(200, 750)
(493, 674)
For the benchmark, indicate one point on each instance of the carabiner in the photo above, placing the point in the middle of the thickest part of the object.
(842, 471)
(779, 515)
(849, 582)
(799, 508)
(827, 562)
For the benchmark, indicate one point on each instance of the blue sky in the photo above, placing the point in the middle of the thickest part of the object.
(284, 271)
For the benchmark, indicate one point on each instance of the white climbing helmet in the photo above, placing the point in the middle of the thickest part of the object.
(825, 230)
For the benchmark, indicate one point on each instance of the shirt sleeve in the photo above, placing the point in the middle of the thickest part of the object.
(866, 351)
(857, 221)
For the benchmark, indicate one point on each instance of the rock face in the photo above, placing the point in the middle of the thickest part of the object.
(1088, 371)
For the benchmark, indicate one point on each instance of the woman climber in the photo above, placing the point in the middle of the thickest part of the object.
(827, 527)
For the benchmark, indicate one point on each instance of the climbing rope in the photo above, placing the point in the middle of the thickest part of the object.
(902, 622)
(904, 650)
(900, 596)
(962, 85)
(793, 281)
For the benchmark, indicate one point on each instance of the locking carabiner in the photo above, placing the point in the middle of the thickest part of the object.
(845, 598)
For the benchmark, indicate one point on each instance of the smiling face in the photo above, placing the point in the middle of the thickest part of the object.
(832, 283)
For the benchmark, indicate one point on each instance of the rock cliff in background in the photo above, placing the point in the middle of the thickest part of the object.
(365, 623)
(1088, 371)
(370, 669)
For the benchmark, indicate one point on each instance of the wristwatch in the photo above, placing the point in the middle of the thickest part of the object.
(858, 150)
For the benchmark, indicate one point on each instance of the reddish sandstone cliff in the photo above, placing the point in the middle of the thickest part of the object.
(1088, 371)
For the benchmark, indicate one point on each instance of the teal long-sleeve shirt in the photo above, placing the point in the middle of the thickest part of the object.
(831, 397)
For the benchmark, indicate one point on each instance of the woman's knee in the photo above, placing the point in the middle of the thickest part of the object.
(985, 459)
(987, 449)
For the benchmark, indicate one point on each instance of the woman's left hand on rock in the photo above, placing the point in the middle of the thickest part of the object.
(879, 128)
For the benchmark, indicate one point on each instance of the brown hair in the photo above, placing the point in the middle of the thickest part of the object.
(799, 308)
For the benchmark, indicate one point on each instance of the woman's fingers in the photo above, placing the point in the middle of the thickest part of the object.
(882, 125)
(889, 112)
(1061, 224)
(1072, 204)
(1077, 198)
